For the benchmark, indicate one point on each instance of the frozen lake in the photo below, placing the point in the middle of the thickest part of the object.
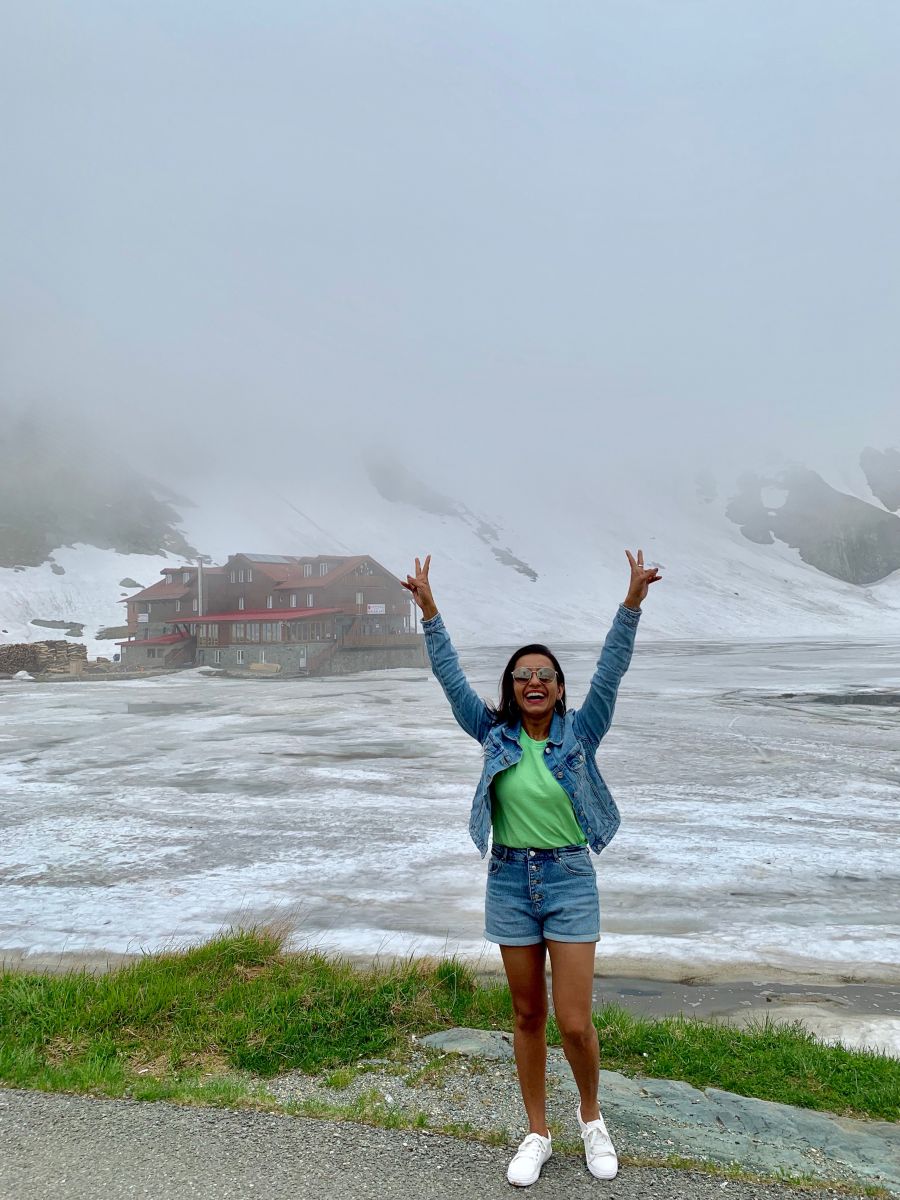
(758, 839)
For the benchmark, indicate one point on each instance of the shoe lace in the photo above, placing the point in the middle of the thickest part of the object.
(532, 1147)
(597, 1140)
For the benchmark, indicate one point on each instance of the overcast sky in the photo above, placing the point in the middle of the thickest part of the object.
(602, 230)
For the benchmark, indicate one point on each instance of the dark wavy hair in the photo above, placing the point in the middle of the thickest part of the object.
(507, 712)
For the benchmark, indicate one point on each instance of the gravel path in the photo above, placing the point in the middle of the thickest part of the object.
(57, 1147)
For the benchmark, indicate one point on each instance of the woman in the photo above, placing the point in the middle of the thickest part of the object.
(547, 802)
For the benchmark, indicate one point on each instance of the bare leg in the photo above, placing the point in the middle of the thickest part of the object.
(524, 967)
(572, 964)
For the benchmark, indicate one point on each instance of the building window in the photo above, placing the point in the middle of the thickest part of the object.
(262, 656)
(178, 606)
(253, 631)
(240, 658)
(185, 577)
(195, 604)
(293, 599)
(240, 603)
(151, 652)
(238, 631)
(307, 570)
(234, 576)
(269, 602)
(241, 575)
(271, 631)
(359, 599)
(323, 568)
(249, 575)
(309, 599)
(218, 657)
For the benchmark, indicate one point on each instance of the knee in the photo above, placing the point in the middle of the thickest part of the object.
(530, 1019)
(576, 1031)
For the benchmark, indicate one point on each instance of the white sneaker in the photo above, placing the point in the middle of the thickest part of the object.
(525, 1168)
(598, 1148)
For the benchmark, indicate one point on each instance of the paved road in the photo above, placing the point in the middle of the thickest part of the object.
(55, 1147)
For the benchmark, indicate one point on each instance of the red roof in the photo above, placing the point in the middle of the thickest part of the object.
(265, 614)
(272, 570)
(318, 581)
(160, 591)
(167, 639)
(206, 570)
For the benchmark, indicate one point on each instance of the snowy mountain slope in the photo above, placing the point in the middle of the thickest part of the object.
(88, 594)
(559, 576)
(717, 583)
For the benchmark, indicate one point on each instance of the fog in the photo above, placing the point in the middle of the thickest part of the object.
(512, 240)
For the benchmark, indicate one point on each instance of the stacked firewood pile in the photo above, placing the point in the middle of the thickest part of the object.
(43, 658)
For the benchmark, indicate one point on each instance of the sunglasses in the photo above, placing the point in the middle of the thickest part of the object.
(524, 674)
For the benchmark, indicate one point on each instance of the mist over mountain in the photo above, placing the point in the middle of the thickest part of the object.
(58, 487)
(773, 554)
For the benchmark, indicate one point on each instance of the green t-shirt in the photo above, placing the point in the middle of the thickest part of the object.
(529, 808)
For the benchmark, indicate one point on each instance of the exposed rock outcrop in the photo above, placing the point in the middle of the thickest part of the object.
(839, 534)
(56, 490)
(397, 483)
(882, 472)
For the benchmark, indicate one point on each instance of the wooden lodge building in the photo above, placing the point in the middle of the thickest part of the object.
(326, 615)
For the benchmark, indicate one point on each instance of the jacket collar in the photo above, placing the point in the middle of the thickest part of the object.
(555, 737)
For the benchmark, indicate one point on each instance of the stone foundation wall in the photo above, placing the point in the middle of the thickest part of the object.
(347, 660)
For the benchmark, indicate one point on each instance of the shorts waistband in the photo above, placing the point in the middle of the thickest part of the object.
(515, 854)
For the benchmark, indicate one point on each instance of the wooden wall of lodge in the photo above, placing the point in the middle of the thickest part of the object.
(221, 595)
(225, 635)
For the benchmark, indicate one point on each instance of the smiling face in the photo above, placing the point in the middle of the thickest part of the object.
(536, 697)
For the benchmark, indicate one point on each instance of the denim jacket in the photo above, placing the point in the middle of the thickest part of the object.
(572, 742)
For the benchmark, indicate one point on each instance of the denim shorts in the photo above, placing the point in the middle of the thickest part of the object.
(533, 895)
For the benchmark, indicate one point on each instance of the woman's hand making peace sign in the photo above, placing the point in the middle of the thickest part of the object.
(641, 578)
(420, 589)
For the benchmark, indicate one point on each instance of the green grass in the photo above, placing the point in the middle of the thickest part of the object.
(196, 1025)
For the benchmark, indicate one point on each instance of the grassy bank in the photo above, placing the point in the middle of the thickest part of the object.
(196, 1024)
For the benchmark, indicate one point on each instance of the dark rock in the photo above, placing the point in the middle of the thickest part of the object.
(72, 628)
(840, 535)
(482, 1043)
(882, 472)
(112, 633)
(746, 509)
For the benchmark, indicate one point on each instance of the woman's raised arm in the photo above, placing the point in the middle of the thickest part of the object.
(470, 710)
(595, 716)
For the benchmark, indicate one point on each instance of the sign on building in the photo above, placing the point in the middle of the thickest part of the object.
(374, 610)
